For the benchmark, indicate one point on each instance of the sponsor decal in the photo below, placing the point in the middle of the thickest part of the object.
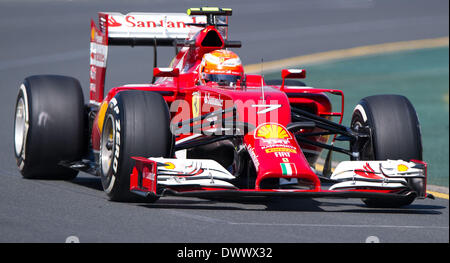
(274, 138)
(92, 87)
(208, 99)
(288, 168)
(112, 22)
(96, 36)
(195, 104)
(280, 149)
(147, 173)
(115, 107)
(254, 157)
(148, 21)
(271, 143)
(93, 72)
(98, 55)
(282, 154)
(169, 165)
(367, 172)
(271, 131)
(402, 168)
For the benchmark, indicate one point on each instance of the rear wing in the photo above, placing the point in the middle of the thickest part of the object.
(138, 29)
(144, 28)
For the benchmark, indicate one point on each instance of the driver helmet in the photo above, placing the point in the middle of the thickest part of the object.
(222, 67)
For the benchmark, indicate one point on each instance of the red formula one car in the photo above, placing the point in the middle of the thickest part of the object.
(204, 128)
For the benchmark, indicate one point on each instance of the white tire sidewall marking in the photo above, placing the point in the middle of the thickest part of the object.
(361, 110)
(116, 143)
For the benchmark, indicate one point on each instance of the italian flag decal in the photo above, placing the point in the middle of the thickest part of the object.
(288, 168)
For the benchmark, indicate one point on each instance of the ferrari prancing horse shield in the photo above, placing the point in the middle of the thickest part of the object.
(195, 104)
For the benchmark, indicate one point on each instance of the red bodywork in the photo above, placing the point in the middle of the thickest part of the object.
(270, 153)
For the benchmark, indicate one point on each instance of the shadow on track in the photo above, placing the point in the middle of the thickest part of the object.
(89, 182)
(332, 206)
(269, 204)
(289, 205)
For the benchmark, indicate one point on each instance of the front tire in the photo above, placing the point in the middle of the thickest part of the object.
(395, 134)
(137, 123)
(49, 126)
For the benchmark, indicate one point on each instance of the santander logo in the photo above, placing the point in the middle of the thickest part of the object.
(141, 22)
(112, 22)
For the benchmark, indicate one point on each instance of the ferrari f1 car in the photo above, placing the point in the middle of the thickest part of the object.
(204, 128)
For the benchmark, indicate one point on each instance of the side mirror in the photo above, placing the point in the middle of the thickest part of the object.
(292, 74)
(166, 72)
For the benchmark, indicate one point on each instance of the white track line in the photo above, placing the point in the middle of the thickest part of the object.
(337, 226)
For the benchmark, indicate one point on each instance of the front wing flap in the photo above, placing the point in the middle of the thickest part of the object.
(389, 174)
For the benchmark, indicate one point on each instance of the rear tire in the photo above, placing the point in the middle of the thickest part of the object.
(395, 135)
(49, 126)
(137, 123)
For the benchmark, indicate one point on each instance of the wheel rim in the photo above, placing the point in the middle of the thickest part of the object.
(365, 149)
(107, 145)
(20, 127)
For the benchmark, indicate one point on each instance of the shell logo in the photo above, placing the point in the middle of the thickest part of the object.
(402, 168)
(169, 165)
(272, 131)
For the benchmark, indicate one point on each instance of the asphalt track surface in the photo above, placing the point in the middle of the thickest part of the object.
(40, 37)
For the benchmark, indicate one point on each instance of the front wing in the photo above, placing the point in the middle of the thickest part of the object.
(204, 178)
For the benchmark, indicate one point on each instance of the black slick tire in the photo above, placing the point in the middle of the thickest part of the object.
(49, 126)
(395, 135)
(136, 123)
